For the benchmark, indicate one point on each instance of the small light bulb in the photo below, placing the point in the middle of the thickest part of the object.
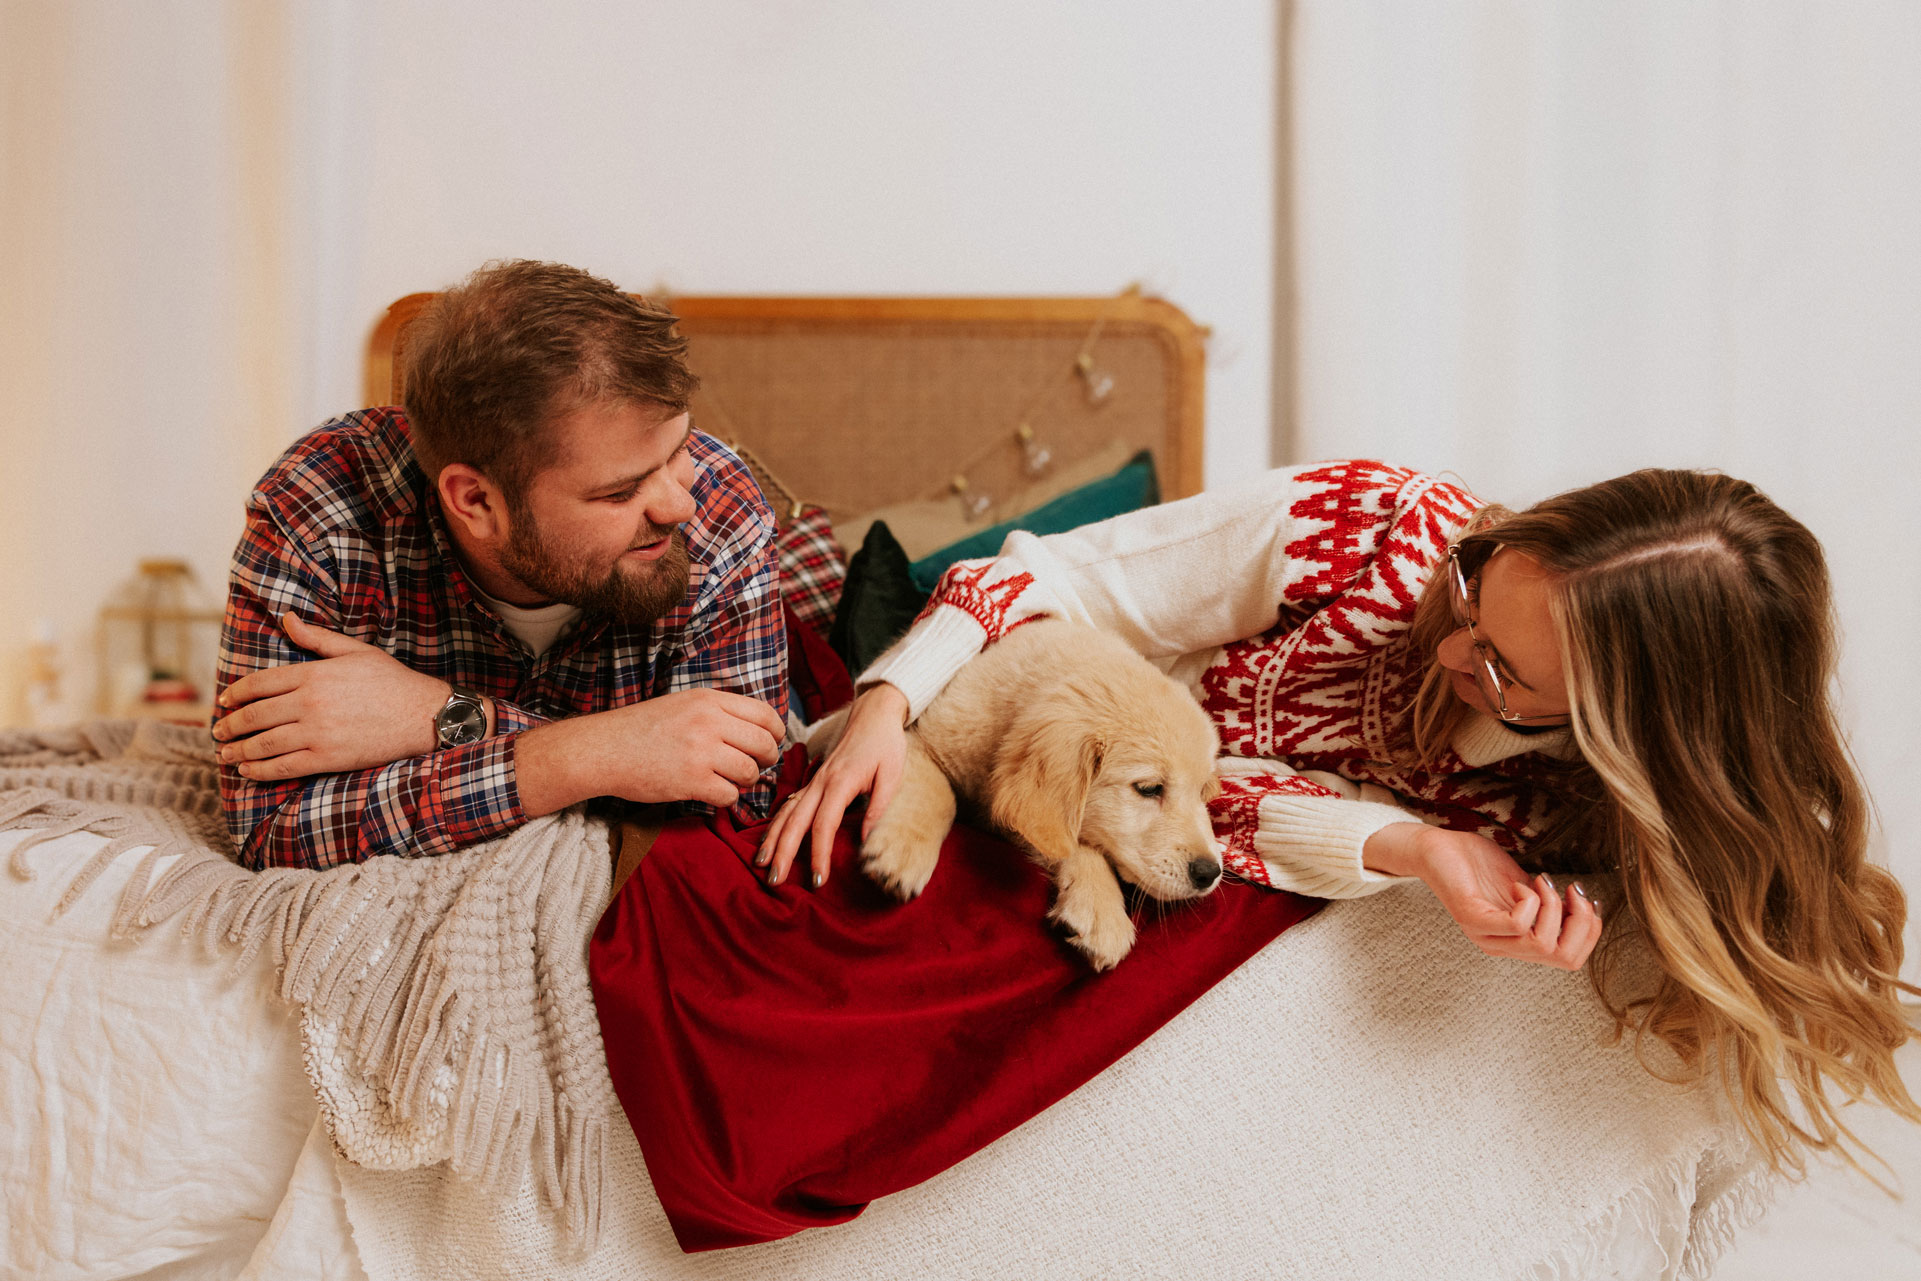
(1099, 384)
(1036, 458)
(973, 501)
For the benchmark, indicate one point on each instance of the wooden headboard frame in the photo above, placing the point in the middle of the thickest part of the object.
(873, 400)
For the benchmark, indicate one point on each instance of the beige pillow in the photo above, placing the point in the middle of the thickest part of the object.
(925, 525)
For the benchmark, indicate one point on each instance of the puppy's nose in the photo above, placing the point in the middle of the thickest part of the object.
(1203, 872)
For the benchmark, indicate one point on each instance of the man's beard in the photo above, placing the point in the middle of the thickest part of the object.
(627, 591)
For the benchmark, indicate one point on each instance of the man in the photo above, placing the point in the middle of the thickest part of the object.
(532, 585)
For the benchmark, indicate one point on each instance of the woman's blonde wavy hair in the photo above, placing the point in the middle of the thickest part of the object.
(1696, 629)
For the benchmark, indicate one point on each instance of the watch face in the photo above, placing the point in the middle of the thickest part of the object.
(461, 722)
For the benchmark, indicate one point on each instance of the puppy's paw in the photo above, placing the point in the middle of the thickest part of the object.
(1102, 931)
(900, 862)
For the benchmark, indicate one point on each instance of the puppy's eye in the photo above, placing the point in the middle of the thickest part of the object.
(1150, 790)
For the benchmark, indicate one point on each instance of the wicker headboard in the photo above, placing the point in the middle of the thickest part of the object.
(859, 402)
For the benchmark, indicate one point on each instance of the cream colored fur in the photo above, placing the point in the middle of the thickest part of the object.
(1062, 736)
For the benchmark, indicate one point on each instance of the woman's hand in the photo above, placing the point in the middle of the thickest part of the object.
(355, 708)
(867, 759)
(1498, 906)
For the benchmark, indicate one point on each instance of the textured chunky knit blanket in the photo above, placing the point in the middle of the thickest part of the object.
(444, 1003)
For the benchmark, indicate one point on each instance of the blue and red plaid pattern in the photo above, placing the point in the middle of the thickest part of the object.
(344, 530)
(813, 568)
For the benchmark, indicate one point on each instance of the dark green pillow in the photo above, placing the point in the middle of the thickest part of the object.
(878, 603)
(1129, 489)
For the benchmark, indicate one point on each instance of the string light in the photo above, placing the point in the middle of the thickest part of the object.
(1098, 383)
(1037, 458)
(975, 502)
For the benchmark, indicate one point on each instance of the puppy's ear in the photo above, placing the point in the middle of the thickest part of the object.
(1042, 777)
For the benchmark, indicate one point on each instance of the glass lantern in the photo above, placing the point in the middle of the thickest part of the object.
(158, 641)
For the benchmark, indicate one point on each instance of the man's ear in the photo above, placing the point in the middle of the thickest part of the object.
(473, 502)
(1042, 779)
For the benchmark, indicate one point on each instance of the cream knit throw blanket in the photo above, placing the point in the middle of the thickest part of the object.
(444, 1002)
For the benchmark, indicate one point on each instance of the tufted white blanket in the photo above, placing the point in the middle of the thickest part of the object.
(1369, 1097)
(445, 1014)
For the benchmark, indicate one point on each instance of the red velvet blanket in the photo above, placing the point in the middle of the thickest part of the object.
(787, 1055)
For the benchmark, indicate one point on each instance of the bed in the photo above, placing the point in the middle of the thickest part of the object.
(1368, 1096)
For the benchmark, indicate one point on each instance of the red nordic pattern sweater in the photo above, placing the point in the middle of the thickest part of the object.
(1286, 606)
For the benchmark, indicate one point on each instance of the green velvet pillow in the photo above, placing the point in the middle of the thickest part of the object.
(878, 603)
(1129, 489)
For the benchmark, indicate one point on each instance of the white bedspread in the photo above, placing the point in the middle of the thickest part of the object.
(1369, 1097)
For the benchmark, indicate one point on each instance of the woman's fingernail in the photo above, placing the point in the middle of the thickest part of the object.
(763, 858)
(1582, 891)
(1552, 888)
(773, 877)
(820, 879)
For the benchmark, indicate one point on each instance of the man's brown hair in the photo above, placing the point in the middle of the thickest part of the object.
(518, 344)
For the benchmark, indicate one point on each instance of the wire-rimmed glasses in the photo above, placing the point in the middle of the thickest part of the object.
(1487, 669)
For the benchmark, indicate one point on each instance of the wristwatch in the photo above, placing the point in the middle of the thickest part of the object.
(463, 719)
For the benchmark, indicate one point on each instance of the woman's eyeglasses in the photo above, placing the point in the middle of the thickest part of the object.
(1487, 669)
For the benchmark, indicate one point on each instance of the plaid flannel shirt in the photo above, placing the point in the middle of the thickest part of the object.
(345, 530)
(813, 568)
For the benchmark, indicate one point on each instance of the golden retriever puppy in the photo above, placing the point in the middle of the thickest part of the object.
(1080, 750)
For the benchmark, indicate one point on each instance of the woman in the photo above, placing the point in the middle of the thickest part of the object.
(1629, 678)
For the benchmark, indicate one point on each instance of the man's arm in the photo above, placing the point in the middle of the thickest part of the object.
(356, 772)
(425, 804)
(358, 708)
(354, 706)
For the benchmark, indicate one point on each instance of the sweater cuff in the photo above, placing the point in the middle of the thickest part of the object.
(922, 662)
(1312, 844)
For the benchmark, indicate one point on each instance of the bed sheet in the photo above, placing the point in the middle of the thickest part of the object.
(1360, 1099)
(150, 1124)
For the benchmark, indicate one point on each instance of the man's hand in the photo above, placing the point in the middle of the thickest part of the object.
(355, 708)
(1498, 906)
(697, 745)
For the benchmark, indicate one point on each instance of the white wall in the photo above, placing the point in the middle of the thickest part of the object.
(142, 366)
(840, 147)
(835, 146)
(1542, 245)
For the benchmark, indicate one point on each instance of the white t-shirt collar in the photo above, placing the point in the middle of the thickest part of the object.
(537, 628)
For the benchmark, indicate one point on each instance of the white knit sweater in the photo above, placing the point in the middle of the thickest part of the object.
(1285, 606)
